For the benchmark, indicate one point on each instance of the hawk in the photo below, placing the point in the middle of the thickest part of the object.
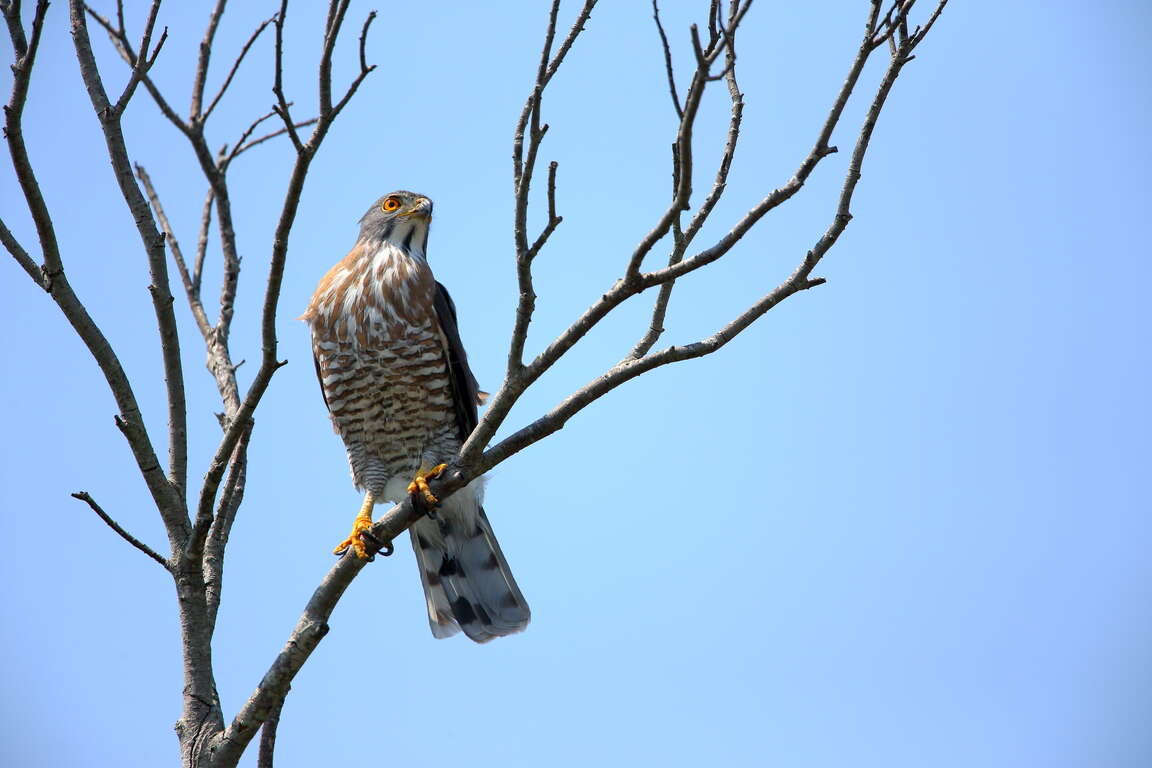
(396, 381)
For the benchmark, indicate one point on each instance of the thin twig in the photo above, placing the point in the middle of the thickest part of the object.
(25, 49)
(240, 149)
(554, 220)
(336, 11)
(26, 262)
(221, 526)
(202, 241)
(365, 68)
(201, 77)
(84, 497)
(143, 62)
(177, 255)
(667, 61)
(919, 35)
(282, 104)
(236, 67)
(226, 156)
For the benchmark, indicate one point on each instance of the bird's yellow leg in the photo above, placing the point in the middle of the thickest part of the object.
(419, 483)
(361, 524)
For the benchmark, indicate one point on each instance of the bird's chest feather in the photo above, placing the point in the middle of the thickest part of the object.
(375, 298)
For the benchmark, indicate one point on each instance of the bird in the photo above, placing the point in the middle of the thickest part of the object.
(395, 377)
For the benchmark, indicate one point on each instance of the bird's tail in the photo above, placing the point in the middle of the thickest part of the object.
(467, 582)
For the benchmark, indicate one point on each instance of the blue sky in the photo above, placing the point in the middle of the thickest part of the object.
(904, 520)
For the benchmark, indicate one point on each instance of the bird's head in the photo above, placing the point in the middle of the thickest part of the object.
(400, 218)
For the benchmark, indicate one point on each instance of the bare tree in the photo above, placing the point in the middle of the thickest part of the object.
(198, 526)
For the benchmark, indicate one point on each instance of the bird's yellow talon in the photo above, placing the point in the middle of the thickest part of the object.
(361, 524)
(419, 484)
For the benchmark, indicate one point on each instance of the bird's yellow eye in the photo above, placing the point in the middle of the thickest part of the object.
(390, 204)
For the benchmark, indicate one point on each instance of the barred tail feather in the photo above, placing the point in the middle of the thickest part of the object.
(467, 582)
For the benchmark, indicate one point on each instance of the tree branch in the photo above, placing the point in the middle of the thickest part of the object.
(143, 62)
(202, 66)
(636, 282)
(629, 369)
(522, 170)
(264, 758)
(25, 57)
(173, 509)
(202, 241)
(84, 497)
(242, 144)
(819, 151)
(365, 67)
(681, 239)
(667, 61)
(236, 66)
(519, 376)
(120, 41)
(177, 255)
(312, 625)
(26, 262)
(221, 526)
(282, 104)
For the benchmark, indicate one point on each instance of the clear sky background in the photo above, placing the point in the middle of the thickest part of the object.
(902, 521)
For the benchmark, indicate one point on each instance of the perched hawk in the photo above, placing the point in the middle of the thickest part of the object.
(397, 384)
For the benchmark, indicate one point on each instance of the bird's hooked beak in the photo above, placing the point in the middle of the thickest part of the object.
(421, 209)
